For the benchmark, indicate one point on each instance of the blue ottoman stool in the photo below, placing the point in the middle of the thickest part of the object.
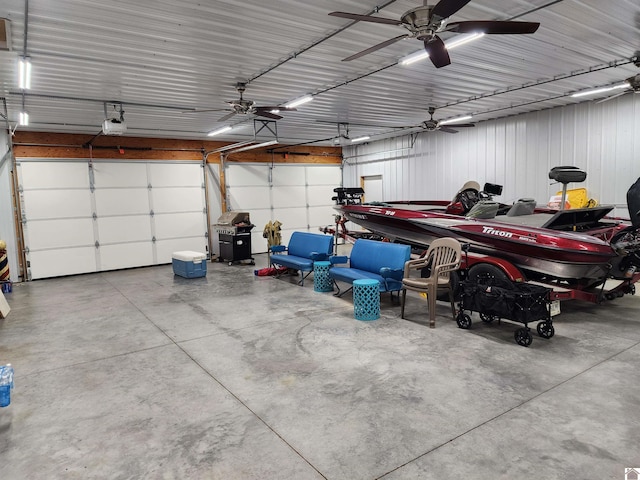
(321, 280)
(366, 299)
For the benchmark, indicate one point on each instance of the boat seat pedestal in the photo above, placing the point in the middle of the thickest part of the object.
(566, 175)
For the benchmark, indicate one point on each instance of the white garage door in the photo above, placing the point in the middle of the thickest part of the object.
(83, 217)
(299, 196)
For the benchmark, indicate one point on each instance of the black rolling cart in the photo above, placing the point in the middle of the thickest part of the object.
(519, 302)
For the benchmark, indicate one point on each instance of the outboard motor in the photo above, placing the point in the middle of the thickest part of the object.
(633, 203)
(566, 175)
(626, 243)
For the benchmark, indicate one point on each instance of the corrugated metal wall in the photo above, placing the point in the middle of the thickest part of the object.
(517, 152)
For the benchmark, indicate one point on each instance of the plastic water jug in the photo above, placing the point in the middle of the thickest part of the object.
(6, 384)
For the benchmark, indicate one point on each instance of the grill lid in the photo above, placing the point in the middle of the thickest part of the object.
(234, 218)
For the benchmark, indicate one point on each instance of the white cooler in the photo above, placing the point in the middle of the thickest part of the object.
(189, 264)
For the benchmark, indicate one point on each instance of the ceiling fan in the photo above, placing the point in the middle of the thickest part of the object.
(433, 125)
(634, 87)
(243, 107)
(425, 22)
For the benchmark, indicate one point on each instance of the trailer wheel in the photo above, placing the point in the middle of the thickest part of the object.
(523, 337)
(463, 320)
(486, 270)
(487, 318)
(545, 329)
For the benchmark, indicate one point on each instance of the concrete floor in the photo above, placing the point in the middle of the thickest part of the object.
(140, 374)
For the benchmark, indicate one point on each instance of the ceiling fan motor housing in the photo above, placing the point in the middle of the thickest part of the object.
(242, 106)
(430, 125)
(420, 23)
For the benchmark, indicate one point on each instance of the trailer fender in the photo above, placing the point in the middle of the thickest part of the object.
(512, 272)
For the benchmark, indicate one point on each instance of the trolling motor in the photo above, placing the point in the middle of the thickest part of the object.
(348, 196)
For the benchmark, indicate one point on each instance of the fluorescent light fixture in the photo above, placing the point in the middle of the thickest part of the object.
(414, 57)
(600, 90)
(360, 139)
(299, 101)
(24, 73)
(455, 120)
(257, 145)
(219, 131)
(421, 55)
(462, 40)
(23, 119)
(232, 146)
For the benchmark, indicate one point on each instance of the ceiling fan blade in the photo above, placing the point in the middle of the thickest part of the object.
(267, 114)
(437, 52)
(282, 109)
(606, 99)
(446, 8)
(226, 117)
(493, 27)
(366, 18)
(374, 48)
(463, 125)
(448, 130)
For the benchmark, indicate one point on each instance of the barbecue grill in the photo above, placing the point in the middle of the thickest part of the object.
(234, 233)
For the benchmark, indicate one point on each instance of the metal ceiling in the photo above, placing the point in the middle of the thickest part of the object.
(161, 58)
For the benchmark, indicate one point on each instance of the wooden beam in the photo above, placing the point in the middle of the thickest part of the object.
(223, 184)
(63, 145)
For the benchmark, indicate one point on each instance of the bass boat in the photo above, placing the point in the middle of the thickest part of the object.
(578, 249)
